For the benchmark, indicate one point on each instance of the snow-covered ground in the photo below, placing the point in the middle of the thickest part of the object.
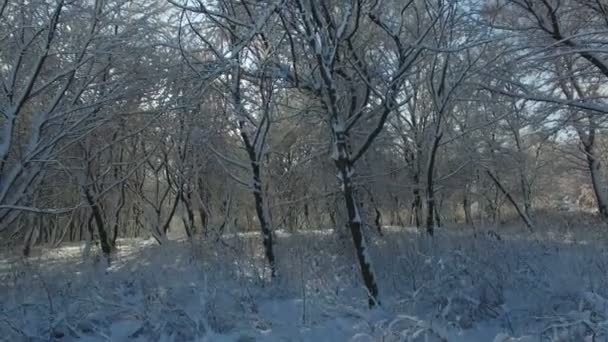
(459, 286)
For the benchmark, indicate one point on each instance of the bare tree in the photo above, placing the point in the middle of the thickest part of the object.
(563, 42)
(345, 74)
(59, 86)
(241, 53)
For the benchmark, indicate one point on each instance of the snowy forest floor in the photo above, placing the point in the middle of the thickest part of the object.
(463, 285)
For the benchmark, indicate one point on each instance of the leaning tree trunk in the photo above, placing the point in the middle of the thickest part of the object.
(342, 160)
(522, 214)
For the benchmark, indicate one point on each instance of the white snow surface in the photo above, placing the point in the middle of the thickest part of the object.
(460, 286)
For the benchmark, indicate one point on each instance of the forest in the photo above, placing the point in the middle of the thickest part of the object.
(304, 170)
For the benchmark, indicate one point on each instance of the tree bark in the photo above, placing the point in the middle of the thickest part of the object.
(416, 205)
(346, 170)
(254, 149)
(524, 184)
(203, 210)
(104, 239)
(260, 207)
(118, 210)
(438, 213)
(263, 218)
(430, 187)
(189, 225)
(377, 212)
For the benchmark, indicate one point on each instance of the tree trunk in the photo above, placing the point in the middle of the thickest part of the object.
(346, 171)
(189, 225)
(202, 213)
(597, 179)
(30, 237)
(430, 187)
(527, 197)
(117, 212)
(416, 205)
(137, 213)
(306, 215)
(378, 220)
(378, 213)
(524, 184)
(466, 206)
(395, 212)
(203, 210)
(260, 207)
(438, 213)
(263, 218)
(332, 216)
(520, 212)
(104, 239)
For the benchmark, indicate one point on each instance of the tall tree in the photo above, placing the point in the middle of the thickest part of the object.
(357, 56)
